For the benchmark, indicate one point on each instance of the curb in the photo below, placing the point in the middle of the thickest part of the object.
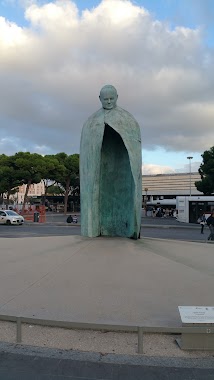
(167, 226)
(98, 357)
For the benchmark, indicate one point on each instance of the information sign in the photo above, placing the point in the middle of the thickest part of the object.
(196, 314)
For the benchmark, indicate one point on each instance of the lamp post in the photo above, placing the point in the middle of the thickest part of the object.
(146, 189)
(190, 184)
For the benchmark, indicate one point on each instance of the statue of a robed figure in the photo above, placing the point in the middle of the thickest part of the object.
(110, 171)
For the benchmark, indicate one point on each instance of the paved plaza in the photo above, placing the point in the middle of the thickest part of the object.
(104, 280)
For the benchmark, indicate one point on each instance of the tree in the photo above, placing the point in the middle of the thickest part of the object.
(70, 178)
(9, 178)
(53, 172)
(30, 169)
(55, 190)
(206, 171)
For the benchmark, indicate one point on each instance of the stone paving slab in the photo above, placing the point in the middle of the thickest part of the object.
(104, 280)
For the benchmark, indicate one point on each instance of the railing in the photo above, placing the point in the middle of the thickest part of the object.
(141, 330)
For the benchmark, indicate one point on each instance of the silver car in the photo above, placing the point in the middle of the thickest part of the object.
(10, 217)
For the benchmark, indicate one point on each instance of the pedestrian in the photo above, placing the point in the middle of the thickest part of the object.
(159, 213)
(69, 219)
(210, 223)
(167, 212)
(75, 220)
(202, 221)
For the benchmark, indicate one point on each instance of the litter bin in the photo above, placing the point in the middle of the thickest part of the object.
(36, 216)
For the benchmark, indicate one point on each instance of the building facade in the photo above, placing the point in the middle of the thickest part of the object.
(37, 189)
(169, 186)
(177, 191)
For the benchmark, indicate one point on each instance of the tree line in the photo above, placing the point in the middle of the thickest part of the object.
(59, 172)
(206, 171)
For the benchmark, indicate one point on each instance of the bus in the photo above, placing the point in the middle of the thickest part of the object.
(190, 208)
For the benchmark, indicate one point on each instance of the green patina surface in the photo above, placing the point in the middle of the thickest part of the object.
(110, 174)
(116, 187)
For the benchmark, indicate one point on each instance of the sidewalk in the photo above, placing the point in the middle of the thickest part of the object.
(114, 281)
(146, 221)
(105, 281)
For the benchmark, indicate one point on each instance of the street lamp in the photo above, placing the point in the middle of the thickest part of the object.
(146, 189)
(190, 189)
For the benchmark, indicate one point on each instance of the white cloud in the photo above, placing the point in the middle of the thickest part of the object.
(186, 168)
(151, 169)
(156, 169)
(51, 73)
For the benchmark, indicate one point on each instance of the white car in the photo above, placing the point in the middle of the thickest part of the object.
(10, 217)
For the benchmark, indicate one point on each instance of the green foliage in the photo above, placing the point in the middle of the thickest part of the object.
(55, 190)
(206, 171)
(9, 178)
(54, 169)
(71, 169)
(70, 178)
(30, 168)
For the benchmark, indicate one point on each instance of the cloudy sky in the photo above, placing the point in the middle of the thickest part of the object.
(55, 56)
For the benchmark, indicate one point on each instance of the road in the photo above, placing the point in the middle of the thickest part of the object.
(33, 367)
(162, 231)
(186, 234)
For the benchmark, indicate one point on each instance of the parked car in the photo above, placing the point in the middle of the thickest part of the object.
(10, 217)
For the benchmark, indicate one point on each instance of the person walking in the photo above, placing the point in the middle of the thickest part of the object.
(210, 223)
(202, 221)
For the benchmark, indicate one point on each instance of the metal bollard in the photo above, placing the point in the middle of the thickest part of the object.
(140, 340)
(18, 330)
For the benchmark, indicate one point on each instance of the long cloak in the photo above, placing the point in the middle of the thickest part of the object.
(110, 175)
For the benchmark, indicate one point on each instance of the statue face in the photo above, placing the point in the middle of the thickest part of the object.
(108, 98)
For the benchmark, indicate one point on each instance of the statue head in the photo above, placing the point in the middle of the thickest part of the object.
(108, 97)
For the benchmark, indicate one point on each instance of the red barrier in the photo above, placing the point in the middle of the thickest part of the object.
(28, 213)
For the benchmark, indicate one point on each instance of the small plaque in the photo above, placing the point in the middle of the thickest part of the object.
(196, 314)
